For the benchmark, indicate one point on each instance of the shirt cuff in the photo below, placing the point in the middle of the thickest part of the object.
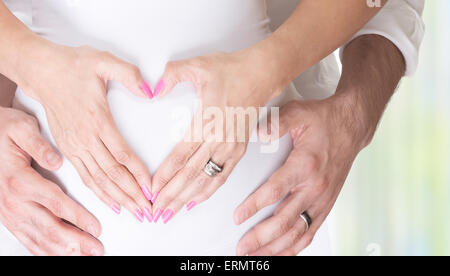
(403, 26)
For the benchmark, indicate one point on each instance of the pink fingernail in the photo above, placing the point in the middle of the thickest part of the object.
(147, 90)
(155, 196)
(138, 214)
(191, 205)
(147, 193)
(148, 214)
(116, 209)
(168, 214)
(157, 215)
(159, 88)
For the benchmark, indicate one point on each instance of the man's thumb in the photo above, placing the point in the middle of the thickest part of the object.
(289, 117)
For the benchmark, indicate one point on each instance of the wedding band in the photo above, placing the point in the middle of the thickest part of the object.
(307, 219)
(212, 169)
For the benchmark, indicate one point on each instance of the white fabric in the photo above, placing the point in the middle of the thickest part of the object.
(150, 33)
(401, 22)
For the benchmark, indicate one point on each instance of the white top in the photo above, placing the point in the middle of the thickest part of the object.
(401, 22)
(148, 34)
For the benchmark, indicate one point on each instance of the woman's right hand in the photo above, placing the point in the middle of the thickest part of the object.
(71, 85)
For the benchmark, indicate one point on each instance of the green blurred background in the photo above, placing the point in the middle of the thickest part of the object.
(397, 198)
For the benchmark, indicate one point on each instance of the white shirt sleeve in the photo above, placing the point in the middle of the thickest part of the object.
(401, 22)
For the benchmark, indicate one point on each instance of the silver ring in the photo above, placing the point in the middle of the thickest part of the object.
(307, 219)
(212, 169)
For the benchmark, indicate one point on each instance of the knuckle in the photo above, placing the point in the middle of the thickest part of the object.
(295, 235)
(161, 180)
(56, 206)
(135, 73)
(308, 240)
(275, 193)
(123, 157)
(284, 224)
(115, 173)
(177, 202)
(14, 186)
(179, 160)
(52, 232)
(191, 173)
(100, 179)
(204, 196)
(38, 144)
(322, 185)
(312, 164)
(9, 205)
(241, 150)
(202, 181)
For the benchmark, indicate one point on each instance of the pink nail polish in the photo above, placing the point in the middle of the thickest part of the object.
(159, 88)
(147, 90)
(168, 214)
(139, 216)
(155, 196)
(147, 193)
(148, 214)
(157, 215)
(116, 209)
(191, 205)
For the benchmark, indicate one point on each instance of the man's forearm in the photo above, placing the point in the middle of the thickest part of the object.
(372, 67)
(7, 91)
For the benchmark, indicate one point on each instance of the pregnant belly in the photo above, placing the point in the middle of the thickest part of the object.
(149, 126)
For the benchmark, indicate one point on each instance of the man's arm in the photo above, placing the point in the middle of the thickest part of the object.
(372, 67)
(7, 91)
(327, 136)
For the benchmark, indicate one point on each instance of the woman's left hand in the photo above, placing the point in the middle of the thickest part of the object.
(225, 83)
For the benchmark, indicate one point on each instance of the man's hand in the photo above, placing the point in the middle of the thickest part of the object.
(36, 211)
(327, 136)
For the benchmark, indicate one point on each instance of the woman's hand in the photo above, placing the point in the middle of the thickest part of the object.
(327, 136)
(230, 97)
(71, 84)
(32, 208)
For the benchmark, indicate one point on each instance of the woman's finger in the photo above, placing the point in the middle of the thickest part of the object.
(111, 189)
(210, 187)
(176, 72)
(129, 75)
(124, 155)
(173, 196)
(119, 175)
(29, 139)
(176, 160)
(90, 183)
(50, 196)
(204, 186)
